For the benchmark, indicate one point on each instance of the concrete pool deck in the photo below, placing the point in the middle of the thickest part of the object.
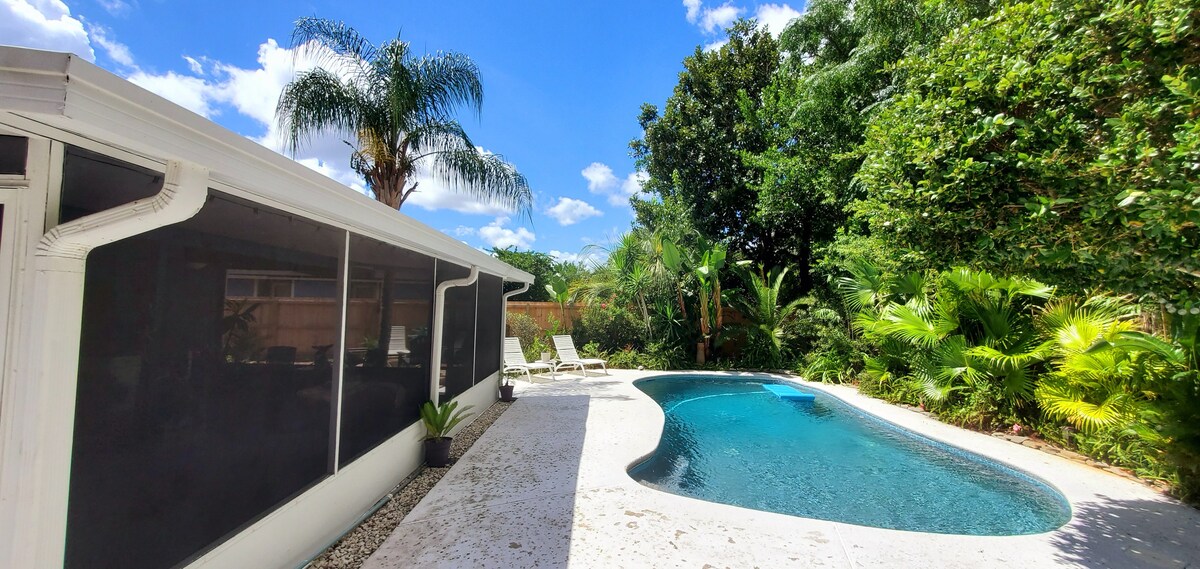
(546, 486)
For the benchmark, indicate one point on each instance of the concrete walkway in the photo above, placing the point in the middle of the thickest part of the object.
(546, 486)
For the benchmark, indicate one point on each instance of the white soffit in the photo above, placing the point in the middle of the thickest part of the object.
(67, 93)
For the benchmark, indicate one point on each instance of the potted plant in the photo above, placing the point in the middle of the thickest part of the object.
(439, 421)
(506, 384)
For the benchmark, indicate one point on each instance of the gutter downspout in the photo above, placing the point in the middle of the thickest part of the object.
(504, 311)
(504, 320)
(439, 314)
(35, 495)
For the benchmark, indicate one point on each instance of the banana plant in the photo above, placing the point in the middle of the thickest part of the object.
(704, 265)
(557, 287)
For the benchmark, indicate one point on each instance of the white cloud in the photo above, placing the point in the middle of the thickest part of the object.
(600, 177)
(116, 50)
(602, 181)
(569, 211)
(775, 17)
(585, 258)
(195, 65)
(114, 7)
(43, 24)
(714, 46)
(633, 184)
(719, 18)
(713, 20)
(496, 235)
(191, 93)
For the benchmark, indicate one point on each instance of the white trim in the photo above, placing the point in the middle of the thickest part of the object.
(337, 359)
(21, 403)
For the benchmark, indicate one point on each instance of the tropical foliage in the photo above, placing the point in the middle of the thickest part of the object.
(1055, 138)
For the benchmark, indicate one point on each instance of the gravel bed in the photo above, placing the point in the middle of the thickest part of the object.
(355, 547)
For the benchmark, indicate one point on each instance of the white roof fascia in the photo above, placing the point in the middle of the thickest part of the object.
(68, 93)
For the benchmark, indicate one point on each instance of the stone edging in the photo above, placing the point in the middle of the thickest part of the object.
(1046, 447)
(353, 549)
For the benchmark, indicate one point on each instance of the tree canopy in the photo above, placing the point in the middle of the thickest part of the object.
(1057, 139)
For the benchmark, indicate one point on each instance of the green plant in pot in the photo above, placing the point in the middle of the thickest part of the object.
(507, 378)
(439, 421)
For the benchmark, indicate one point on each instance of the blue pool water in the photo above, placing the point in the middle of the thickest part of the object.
(731, 441)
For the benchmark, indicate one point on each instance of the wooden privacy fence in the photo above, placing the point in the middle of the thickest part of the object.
(541, 312)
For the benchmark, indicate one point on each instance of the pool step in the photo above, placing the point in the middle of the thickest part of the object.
(788, 393)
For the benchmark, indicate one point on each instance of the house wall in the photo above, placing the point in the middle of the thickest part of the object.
(38, 414)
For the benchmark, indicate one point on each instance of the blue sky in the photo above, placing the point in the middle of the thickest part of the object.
(563, 82)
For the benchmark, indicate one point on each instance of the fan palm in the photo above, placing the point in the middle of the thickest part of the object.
(398, 109)
(1092, 385)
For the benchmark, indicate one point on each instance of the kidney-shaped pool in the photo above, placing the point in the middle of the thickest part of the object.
(731, 441)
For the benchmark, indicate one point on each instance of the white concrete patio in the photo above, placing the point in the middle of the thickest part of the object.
(546, 486)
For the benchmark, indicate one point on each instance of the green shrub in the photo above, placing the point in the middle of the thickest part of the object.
(524, 327)
(657, 356)
(610, 327)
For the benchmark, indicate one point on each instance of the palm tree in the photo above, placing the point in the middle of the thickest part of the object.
(398, 108)
(768, 324)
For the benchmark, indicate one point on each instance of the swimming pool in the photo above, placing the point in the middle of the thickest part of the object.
(729, 440)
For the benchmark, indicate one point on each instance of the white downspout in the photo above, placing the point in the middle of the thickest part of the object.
(504, 321)
(35, 495)
(439, 313)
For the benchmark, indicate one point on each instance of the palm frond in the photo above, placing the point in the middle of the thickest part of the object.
(332, 42)
(318, 101)
(484, 176)
(445, 81)
(912, 325)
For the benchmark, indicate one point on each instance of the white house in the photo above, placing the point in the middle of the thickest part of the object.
(193, 365)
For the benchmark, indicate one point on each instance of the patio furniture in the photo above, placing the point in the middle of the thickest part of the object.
(514, 359)
(398, 343)
(568, 356)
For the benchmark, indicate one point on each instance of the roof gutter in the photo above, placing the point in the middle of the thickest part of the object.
(439, 314)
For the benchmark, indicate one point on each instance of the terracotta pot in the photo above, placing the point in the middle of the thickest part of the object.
(437, 452)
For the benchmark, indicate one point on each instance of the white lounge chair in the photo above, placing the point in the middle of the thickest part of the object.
(514, 359)
(567, 356)
(398, 343)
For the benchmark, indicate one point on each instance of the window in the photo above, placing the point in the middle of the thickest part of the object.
(93, 182)
(489, 319)
(199, 410)
(13, 153)
(387, 344)
(458, 333)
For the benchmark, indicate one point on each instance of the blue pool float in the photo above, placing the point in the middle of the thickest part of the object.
(788, 393)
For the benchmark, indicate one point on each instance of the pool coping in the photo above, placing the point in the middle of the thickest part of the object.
(506, 504)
